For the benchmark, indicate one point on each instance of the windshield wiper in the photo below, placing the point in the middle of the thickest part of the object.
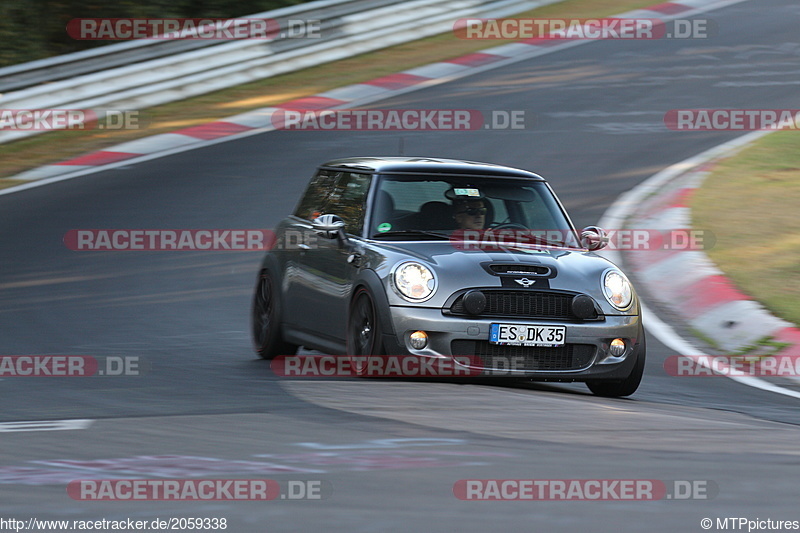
(410, 232)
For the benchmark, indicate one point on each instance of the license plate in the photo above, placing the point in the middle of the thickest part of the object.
(527, 335)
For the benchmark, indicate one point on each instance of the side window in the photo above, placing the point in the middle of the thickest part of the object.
(316, 196)
(348, 199)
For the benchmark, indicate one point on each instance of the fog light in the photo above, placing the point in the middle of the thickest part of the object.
(419, 340)
(617, 347)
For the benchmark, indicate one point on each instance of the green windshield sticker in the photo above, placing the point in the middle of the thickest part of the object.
(384, 227)
(467, 192)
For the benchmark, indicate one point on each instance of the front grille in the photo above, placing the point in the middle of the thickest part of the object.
(531, 304)
(530, 358)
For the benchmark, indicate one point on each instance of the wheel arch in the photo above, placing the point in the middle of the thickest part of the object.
(370, 280)
(270, 264)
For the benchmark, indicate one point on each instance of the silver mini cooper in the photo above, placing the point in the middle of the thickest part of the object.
(440, 258)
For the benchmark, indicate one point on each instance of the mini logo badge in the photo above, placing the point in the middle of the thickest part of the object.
(525, 282)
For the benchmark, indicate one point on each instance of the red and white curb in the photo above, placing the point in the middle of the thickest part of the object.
(687, 283)
(260, 120)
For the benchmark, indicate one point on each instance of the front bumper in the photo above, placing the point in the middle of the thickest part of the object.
(449, 336)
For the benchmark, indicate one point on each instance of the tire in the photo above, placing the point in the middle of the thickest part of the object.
(363, 330)
(266, 320)
(627, 386)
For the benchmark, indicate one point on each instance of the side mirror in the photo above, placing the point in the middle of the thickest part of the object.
(593, 238)
(328, 226)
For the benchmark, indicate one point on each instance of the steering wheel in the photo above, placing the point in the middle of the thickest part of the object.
(503, 225)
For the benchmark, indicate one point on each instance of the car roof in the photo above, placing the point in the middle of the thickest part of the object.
(429, 165)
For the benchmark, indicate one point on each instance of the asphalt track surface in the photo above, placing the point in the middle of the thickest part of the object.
(389, 452)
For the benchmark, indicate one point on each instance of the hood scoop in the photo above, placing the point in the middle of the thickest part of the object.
(517, 269)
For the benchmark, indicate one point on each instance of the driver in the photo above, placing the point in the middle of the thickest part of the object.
(470, 214)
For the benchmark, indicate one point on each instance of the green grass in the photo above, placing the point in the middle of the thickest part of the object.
(750, 203)
(10, 183)
(763, 347)
(705, 338)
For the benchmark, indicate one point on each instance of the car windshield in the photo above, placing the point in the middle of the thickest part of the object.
(424, 207)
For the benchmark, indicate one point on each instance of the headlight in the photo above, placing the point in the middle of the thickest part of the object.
(414, 281)
(617, 289)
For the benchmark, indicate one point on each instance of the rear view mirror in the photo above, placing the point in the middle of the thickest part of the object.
(328, 226)
(593, 238)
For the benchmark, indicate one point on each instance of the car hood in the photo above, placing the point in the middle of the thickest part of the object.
(458, 267)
